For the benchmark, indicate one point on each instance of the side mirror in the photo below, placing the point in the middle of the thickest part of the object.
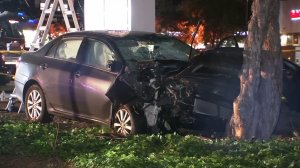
(115, 66)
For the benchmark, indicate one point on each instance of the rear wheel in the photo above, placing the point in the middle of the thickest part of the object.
(35, 104)
(284, 125)
(126, 122)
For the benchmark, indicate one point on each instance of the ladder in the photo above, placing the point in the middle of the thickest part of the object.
(47, 14)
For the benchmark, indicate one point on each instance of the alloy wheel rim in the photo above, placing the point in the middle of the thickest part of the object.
(122, 123)
(34, 104)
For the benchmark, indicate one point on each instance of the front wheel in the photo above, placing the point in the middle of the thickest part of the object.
(126, 122)
(35, 104)
(284, 126)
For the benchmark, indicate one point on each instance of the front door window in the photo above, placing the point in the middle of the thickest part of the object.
(98, 54)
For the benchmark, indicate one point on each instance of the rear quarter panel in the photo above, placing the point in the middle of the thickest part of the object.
(25, 72)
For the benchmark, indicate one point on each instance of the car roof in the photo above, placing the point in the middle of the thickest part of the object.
(110, 34)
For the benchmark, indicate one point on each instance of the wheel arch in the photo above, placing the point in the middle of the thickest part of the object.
(138, 116)
(117, 104)
(27, 86)
(44, 116)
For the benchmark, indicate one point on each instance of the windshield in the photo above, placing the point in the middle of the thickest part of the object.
(153, 47)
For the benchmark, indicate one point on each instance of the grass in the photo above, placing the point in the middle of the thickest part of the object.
(86, 147)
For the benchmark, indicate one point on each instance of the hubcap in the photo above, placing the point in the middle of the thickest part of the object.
(122, 123)
(34, 104)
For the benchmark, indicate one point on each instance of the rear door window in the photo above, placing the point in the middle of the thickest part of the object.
(52, 51)
(68, 49)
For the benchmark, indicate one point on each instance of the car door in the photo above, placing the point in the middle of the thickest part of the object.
(56, 73)
(92, 80)
(291, 83)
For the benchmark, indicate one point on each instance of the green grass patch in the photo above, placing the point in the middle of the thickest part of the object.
(85, 147)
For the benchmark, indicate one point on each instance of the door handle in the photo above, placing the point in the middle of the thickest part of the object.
(44, 66)
(77, 74)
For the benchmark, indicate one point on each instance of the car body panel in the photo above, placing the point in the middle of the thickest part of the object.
(90, 85)
(66, 93)
(56, 81)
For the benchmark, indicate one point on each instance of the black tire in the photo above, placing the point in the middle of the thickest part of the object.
(283, 126)
(126, 122)
(35, 105)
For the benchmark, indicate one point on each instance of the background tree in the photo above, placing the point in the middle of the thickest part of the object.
(257, 107)
(219, 17)
(167, 15)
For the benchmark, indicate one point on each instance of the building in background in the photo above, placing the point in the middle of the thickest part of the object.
(135, 15)
(289, 20)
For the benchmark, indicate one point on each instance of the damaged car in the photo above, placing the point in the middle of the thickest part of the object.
(123, 79)
(135, 82)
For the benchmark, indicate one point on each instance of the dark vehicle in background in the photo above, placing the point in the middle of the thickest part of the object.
(4, 75)
(10, 30)
(227, 59)
(11, 40)
(132, 81)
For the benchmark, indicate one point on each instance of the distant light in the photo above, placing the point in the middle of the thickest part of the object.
(283, 39)
(295, 14)
(13, 21)
(31, 21)
(20, 14)
(174, 33)
(200, 46)
(241, 33)
(28, 35)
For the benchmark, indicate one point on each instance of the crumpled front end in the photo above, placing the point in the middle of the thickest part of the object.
(168, 94)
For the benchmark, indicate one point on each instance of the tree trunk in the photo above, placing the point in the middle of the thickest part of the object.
(256, 109)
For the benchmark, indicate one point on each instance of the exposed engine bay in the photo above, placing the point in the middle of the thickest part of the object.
(164, 98)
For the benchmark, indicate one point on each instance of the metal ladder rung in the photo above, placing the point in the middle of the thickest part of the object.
(43, 28)
(68, 12)
(49, 8)
(35, 45)
(48, 11)
(73, 29)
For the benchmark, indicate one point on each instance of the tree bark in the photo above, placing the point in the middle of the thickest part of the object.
(256, 109)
